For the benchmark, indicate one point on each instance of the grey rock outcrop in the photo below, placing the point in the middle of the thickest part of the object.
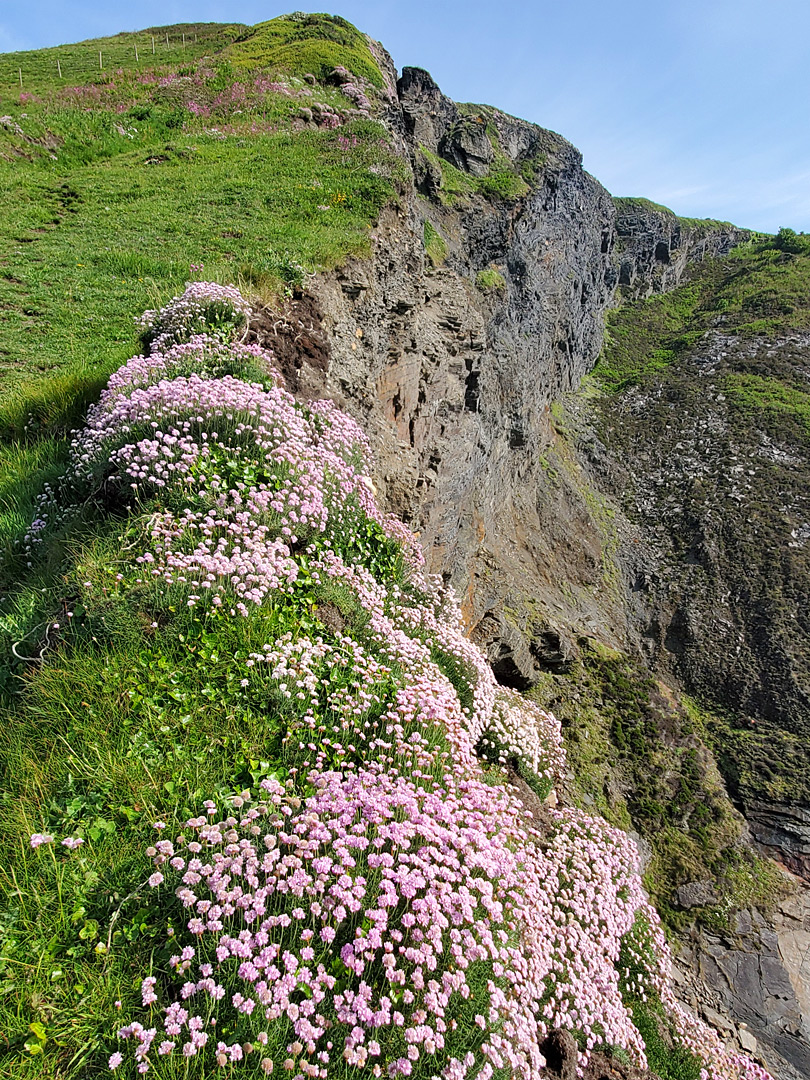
(751, 984)
(697, 894)
(426, 112)
(655, 247)
(467, 146)
(784, 830)
(454, 385)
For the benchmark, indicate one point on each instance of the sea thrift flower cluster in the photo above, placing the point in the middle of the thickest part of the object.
(72, 843)
(519, 731)
(201, 91)
(375, 905)
(202, 355)
(238, 97)
(203, 307)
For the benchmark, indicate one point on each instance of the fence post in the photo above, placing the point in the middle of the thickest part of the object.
(100, 62)
(59, 67)
(153, 44)
(136, 54)
(20, 71)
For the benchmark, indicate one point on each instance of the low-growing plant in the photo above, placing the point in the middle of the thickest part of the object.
(490, 280)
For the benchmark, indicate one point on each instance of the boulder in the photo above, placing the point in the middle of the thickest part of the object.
(697, 894)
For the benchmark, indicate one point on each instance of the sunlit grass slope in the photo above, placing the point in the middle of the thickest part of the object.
(119, 183)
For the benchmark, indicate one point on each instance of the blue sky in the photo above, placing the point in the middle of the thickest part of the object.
(699, 104)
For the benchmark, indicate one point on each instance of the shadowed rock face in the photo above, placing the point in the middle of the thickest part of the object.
(756, 973)
(454, 385)
(427, 114)
(721, 568)
(785, 830)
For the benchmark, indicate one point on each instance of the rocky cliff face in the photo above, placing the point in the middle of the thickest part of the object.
(697, 429)
(719, 575)
(454, 379)
(750, 983)
(655, 248)
(481, 308)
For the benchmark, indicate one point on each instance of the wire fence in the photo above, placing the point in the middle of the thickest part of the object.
(68, 64)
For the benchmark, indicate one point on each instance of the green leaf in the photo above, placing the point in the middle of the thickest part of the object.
(39, 1030)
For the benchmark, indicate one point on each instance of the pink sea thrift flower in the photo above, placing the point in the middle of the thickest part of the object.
(381, 896)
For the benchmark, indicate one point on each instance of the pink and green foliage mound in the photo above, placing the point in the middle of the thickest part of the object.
(381, 902)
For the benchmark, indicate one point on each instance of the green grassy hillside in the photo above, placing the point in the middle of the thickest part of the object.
(119, 184)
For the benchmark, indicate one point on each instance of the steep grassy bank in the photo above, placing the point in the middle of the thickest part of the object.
(116, 187)
(119, 183)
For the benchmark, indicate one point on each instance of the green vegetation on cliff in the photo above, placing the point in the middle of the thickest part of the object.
(205, 170)
(176, 46)
(637, 757)
(435, 244)
(758, 290)
(302, 44)
(705, 400)
(628, 206)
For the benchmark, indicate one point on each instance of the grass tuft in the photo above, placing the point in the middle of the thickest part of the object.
(490, 280)
(435, 244)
